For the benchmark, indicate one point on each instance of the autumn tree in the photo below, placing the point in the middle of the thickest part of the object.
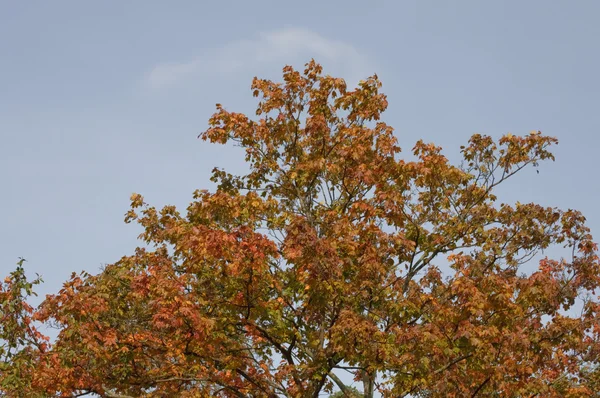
(20, 341)
(333, 255)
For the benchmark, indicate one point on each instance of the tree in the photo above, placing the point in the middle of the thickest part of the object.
(334, 255)
(20, 341)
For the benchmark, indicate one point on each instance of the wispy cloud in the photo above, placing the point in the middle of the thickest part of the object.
(281, 47)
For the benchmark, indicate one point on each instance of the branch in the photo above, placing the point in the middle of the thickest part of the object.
(339, 383)
(480, 387)
(440, 370)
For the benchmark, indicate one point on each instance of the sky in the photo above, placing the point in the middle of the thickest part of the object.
(102, 99)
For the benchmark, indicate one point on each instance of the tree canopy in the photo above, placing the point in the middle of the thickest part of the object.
(334, 255)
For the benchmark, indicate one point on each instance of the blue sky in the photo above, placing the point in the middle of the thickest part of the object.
(102, 99)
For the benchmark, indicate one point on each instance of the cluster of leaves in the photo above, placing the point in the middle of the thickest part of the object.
(333, 254)
(20, 341)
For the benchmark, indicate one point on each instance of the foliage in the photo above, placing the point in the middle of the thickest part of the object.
(20, 341)
(351, 392)
(333, 254)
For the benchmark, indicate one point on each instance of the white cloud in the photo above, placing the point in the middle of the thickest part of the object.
(290, 46)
